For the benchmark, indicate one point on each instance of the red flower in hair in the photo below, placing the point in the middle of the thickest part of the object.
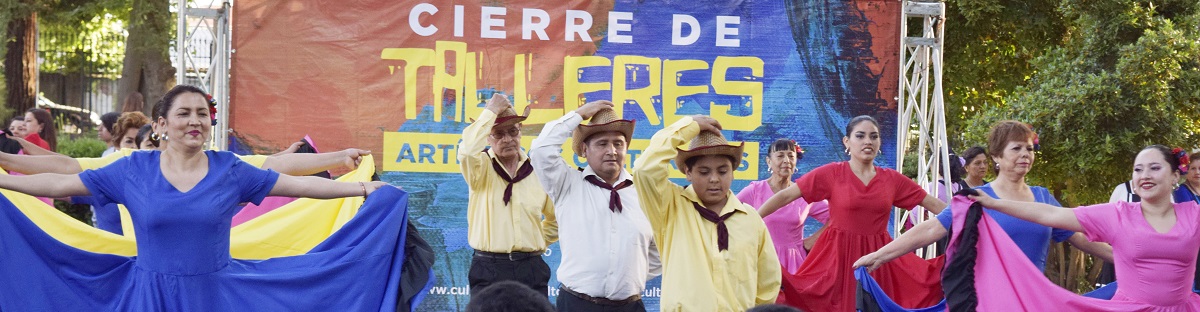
(212, 108)
(1183, 158)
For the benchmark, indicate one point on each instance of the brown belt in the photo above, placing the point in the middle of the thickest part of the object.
(601, 301)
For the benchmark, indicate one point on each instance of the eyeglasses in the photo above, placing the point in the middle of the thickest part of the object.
(514, 133)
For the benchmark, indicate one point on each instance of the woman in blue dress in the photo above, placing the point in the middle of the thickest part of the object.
(183, 199)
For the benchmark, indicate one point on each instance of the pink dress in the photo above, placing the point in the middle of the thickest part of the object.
(786, 225)
(1155, 269)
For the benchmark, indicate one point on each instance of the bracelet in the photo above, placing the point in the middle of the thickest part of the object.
(364, 188)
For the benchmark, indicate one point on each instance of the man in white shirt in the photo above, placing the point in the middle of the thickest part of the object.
(607, 244)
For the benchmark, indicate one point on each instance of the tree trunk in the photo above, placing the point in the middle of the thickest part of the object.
(20, 63)
(147, 66)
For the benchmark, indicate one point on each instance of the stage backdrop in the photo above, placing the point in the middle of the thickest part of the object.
(403, 78)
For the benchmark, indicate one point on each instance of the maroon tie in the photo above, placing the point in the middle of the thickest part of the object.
(525, 170)
(614, 199)
(722, 231)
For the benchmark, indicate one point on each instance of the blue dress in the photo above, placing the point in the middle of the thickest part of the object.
(183, 261)
(1032, 238)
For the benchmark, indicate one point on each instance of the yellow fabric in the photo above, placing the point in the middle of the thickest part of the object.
(97, 163)
(289, 230)
(697, 276)
(526, 223)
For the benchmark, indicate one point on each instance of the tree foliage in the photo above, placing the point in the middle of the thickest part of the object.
(1127, 75)
(989, 48)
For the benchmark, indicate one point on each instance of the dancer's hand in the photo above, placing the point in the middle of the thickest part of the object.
(291, 149)
(707, 124)
(872, 261)
(498, 103)
(983, 199)
(591, 108)
(353, 157)
(372, 186)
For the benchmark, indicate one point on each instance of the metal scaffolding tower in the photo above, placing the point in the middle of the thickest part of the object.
(922, 113)
(202, 53)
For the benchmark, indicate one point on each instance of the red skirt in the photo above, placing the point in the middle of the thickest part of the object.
(825, 282)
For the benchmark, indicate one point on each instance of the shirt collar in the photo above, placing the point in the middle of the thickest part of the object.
(521, 157)
(730, 205)
(587, 171)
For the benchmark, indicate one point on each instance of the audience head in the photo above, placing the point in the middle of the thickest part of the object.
(509, 296)
(40, 121)
(126, 129)
(107, 121)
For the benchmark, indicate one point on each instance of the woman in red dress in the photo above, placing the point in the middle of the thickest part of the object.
(861, 196)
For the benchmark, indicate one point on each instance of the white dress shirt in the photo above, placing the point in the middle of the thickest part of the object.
(604, 253)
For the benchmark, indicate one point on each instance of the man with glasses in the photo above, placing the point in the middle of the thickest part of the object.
(510, 220)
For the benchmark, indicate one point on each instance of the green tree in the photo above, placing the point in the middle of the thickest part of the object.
(1128, 76)
(148, 67)
(20, 56)
(1125, 74)
(990, 45)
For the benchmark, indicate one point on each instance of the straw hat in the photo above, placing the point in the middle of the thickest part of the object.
(709, 143)
(603, 121)
(509, 117)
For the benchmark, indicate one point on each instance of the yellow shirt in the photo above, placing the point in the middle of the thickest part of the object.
(492, 225)
(97, 163)
(697, 276)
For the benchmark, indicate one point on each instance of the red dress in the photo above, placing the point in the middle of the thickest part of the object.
(858, 226)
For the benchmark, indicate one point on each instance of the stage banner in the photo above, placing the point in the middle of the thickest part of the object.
(404, 78)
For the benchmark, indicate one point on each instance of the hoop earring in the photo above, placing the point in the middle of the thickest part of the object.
(163, 137)
(847, 151)
(154, 136)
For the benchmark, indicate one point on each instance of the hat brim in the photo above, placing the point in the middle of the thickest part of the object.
(625, 127)
(734, 151)
(508, 121)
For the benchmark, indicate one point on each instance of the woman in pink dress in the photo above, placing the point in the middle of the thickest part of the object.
(786, 225)
(1154, 246)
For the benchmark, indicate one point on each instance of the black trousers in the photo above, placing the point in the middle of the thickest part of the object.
(531, 271)
(566, 302)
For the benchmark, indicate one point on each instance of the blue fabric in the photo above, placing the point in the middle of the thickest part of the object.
(885, 304)
(183, 261)
(1105, 292)
(1032, 238)
(1183, 194)
(104, 217)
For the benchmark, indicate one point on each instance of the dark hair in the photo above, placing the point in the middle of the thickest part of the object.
(144, 134)
(509, 296)
(18, 118)
(773, 308)
(1167, 154)
(692, 161)
(49, 132)
(956, 168)
(785, 145)
(1007, 131)
(972, 152)
(108, 119)
(857, 120)
(163, 107)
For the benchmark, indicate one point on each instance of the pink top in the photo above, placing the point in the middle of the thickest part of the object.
(1155, 268)
(786, 225)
